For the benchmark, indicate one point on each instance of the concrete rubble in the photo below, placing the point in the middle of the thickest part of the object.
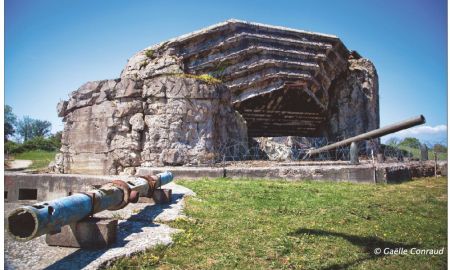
(284, 148)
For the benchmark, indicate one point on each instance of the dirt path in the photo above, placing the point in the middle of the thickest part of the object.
(18, 164)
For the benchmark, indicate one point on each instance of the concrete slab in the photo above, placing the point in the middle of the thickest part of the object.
(140, 227)
(161, 196)
(17, 164)
(365, 172)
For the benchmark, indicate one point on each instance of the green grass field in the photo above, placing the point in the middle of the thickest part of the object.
(40, 158)
(248, 224)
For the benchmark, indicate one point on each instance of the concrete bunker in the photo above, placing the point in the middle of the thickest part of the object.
(194, 99)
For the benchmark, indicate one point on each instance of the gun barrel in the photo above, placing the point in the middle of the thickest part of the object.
(28, 222)
(418, 120)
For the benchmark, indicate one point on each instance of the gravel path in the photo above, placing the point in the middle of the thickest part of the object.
(138, 230)
(18, 164)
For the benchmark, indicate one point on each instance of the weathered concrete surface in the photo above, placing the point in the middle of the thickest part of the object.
(322, 171)
(17, 164)
(163, 111)
(49, 186)
(52, 186)
(115, 126)
(282, 80)
(354, 101)
(276, 75)
(91, 233)
(138, 230)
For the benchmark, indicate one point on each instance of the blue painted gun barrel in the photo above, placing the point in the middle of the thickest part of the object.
(28, 222)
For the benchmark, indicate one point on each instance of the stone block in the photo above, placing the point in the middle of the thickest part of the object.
(161, 196)
(145, 200)
(92, 233)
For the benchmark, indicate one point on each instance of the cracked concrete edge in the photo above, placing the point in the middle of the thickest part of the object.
(133, 237)
(103, 264)
(167, 215)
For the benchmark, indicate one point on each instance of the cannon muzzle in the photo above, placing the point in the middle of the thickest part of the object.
(28, 222)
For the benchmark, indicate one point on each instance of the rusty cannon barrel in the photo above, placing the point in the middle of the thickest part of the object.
(376, 133)
(28, 222)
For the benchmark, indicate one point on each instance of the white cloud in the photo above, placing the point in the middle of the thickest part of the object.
(428, 134)
(422, 130)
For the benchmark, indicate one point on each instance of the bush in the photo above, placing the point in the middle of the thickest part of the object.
(143, 65)
(393, 141)
(207, 78)
(410, 142)
(150, 54)
(38, 143)
(13, 147)
(56, 139)
(439, 148)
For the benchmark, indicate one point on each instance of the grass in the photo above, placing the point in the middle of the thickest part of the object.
(40, 158)
(248, 224)
(207, 78)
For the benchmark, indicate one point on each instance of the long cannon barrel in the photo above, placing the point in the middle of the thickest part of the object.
(372, 134)
(28, 222)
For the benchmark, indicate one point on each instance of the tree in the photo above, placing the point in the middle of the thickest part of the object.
(439, 148)
(393, 141)
(24, 128)
(56, 139)
(410, 142)
(29, 128)
(10, 122)
(41, 128)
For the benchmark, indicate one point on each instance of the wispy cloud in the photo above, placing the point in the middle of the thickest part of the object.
(422, 130)
(428, 134)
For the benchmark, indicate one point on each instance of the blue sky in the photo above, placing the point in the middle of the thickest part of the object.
(53, 46)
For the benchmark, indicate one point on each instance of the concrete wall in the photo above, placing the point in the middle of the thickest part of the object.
(47, 186)
(345, 173)
(41, 187)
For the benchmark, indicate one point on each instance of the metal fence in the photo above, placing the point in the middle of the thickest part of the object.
(296, 149)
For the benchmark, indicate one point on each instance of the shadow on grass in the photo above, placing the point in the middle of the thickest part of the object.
(367, 244)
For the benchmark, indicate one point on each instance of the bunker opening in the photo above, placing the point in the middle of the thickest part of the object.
(27, 194)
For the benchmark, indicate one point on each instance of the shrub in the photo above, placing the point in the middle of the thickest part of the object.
(40, 143)
(439, 148)
(150, 54)
(207, 78)
(56, 139)
(410, 142)
(13, 147)
(52, 143)
(393, 141)
(143, 65)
